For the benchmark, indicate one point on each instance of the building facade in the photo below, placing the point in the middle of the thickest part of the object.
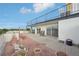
(46, 28)
(66, 27)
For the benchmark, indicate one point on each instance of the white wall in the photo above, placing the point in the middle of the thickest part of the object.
(69, 29)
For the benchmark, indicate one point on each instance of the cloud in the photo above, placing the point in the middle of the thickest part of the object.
(24, 10)
(38, 7)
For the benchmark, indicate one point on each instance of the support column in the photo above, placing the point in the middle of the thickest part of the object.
(35, 30)
(45, 32)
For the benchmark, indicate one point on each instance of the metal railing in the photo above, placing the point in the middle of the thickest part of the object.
(53, 14)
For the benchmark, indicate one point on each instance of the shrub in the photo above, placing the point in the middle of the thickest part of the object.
(2, 31)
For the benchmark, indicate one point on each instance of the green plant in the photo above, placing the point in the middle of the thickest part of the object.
(2, 31)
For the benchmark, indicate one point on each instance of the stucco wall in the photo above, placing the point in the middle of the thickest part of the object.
(69, 29)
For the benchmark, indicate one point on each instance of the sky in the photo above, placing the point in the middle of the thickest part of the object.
(15, 15)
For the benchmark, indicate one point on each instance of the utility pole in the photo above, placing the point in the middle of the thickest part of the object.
(26, 25)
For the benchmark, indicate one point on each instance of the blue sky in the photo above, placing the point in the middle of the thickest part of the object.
(18, 14)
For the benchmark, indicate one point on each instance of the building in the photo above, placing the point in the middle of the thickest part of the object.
(66, 27)
(47, 28)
